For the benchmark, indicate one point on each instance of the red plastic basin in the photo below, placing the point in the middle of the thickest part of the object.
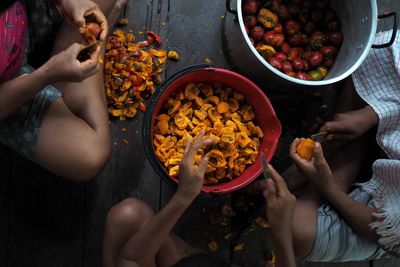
(264, 112)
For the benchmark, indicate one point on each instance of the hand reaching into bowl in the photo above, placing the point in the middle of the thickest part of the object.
(191, 177)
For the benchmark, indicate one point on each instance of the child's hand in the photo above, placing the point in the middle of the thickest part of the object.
(65, 67)
(350, 125)
(77, 10)
(191, 178)
(316, 169)
(280, 202)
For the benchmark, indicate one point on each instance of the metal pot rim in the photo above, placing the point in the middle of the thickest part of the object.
(304, 82)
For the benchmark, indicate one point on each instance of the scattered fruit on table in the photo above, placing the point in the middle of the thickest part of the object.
(305, 148)
(131, 72)
(227, 211)
(213, 246)
(262, 222)
(173, 55)
(123, 22)
(238, 247)
(299, 38)
(223, 114)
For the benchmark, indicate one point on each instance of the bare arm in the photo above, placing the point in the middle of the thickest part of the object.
(16, 92)
(63, 67)
(284, 249)
(280, 204)
(357, 215)
(143, 246)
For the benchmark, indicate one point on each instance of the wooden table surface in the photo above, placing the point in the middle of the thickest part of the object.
(48, 221)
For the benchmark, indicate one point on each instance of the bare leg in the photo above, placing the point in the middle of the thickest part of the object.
(74, 139)
(124, 220)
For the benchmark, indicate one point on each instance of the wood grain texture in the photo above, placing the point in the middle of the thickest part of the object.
(342, 264)
(392, 262)
(5, 179)
(193, 29)
(47, 221)
(46, 218)
(128, 173)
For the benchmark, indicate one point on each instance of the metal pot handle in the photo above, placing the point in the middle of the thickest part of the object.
(229, 9)
(393, 33)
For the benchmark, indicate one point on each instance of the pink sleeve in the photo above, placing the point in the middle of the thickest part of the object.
(13, 27)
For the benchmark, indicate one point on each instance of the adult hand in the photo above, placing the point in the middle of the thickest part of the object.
(65, 67)
(280, 202)
(77, 10)
(350, 125)
(317, 169)
(191, 177)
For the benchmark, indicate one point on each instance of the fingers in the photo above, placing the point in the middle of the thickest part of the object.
(338, 137)
(270, 193)
(319, 158)
(318, 153)
(293, 153)
(79, 18)
(292, 149)
(95, 55)
(192, 148)
(75, 48)
(101, 19)
(260, 185)
(278, 179)
(201, 171)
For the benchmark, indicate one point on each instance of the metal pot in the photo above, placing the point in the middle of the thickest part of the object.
(359, 25)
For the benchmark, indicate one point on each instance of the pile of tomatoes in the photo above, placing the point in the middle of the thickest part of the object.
(300, 38)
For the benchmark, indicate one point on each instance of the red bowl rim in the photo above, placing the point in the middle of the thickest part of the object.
(224, 187)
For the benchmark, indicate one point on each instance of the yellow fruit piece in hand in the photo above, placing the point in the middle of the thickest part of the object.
(305, 148)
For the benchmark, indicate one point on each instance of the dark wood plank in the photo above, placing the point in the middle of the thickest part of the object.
(341, 264)
(128, 173)
(193, 29)
(46, 218)
(392, 262)
(5, 167)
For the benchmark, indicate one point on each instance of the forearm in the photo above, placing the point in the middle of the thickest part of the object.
(371, 116)
(143, 246)
(284, 251)
(16, 92)
(357, 215)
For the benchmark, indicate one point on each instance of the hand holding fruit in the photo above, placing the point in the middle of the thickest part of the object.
(78, 10)
(316, 169)
(65, 66)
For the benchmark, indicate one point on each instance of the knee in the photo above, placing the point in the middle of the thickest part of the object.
(92, 160)
(131, 212)
(304, 231)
